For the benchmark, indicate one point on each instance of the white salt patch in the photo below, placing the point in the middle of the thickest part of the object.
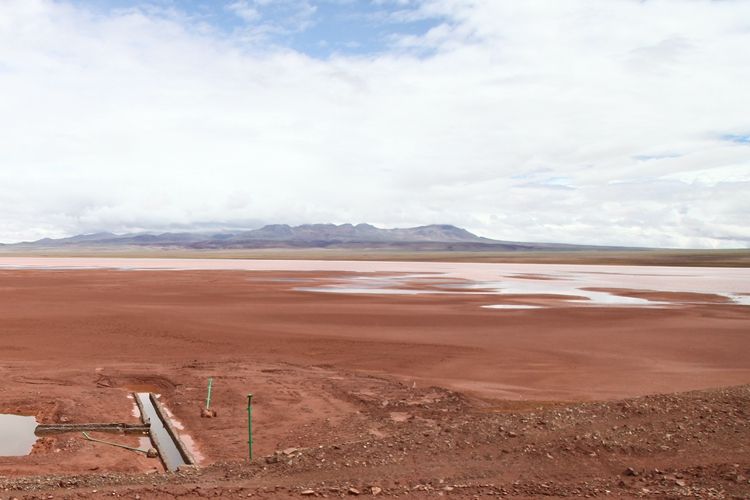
(176, 423)
(189, 443)
(500, 278)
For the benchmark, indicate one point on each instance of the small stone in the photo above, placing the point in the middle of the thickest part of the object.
(353, 491)
(308, 492)
(289, 451)
(375, 490)
(630, 472)
(152, 453)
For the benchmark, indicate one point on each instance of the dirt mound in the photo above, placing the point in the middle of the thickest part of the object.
(695, 445)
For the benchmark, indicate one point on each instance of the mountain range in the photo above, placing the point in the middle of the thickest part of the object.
(435, 237)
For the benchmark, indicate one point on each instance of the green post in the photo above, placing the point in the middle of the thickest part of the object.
(250, 425)
(208, 398)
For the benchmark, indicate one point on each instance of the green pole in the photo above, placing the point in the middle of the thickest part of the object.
(250, 425)
(208, 398)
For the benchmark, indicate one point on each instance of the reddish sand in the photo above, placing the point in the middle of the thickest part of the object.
(93, 318)
(74, 342)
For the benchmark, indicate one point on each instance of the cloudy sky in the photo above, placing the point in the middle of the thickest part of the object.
(582, 121)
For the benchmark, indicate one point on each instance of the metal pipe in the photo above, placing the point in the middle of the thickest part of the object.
(250, 425)
(85, 435)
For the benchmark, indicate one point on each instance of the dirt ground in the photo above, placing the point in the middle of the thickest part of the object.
(411, 395)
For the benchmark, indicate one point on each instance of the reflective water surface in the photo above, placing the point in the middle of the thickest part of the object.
(170, 455)
(16, 435)
(575, 285)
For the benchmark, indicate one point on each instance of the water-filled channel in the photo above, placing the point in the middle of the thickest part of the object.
(170, 454)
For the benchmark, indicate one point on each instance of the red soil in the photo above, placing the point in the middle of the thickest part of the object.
(74, 342)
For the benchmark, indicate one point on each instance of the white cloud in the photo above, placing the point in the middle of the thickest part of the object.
(244, 10)
(265, 19)
(527, 120)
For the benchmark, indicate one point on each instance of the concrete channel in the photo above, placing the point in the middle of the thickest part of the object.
(172, 450)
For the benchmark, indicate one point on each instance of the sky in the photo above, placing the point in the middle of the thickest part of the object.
(612, 122)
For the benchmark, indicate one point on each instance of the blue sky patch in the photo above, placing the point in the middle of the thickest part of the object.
(737, 138)
(318, 28)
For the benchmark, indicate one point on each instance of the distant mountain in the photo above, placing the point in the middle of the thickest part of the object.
(435, 237)
(360, 233)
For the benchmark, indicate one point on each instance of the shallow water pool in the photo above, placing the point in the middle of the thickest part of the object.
(16, 435)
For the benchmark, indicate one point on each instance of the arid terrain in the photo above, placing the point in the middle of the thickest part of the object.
(406, 386)
(663, 257)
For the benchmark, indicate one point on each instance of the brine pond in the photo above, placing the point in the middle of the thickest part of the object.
(574, 284)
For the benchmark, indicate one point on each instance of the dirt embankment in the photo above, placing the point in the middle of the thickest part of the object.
(324, 433)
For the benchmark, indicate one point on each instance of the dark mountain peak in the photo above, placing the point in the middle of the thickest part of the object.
(271, 231)
(436, 232)
(433, 237)
(447, 231)
(301, 236)
(93, 236)
(444, 227)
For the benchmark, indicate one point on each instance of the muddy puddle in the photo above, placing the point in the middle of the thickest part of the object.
(16, 435)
